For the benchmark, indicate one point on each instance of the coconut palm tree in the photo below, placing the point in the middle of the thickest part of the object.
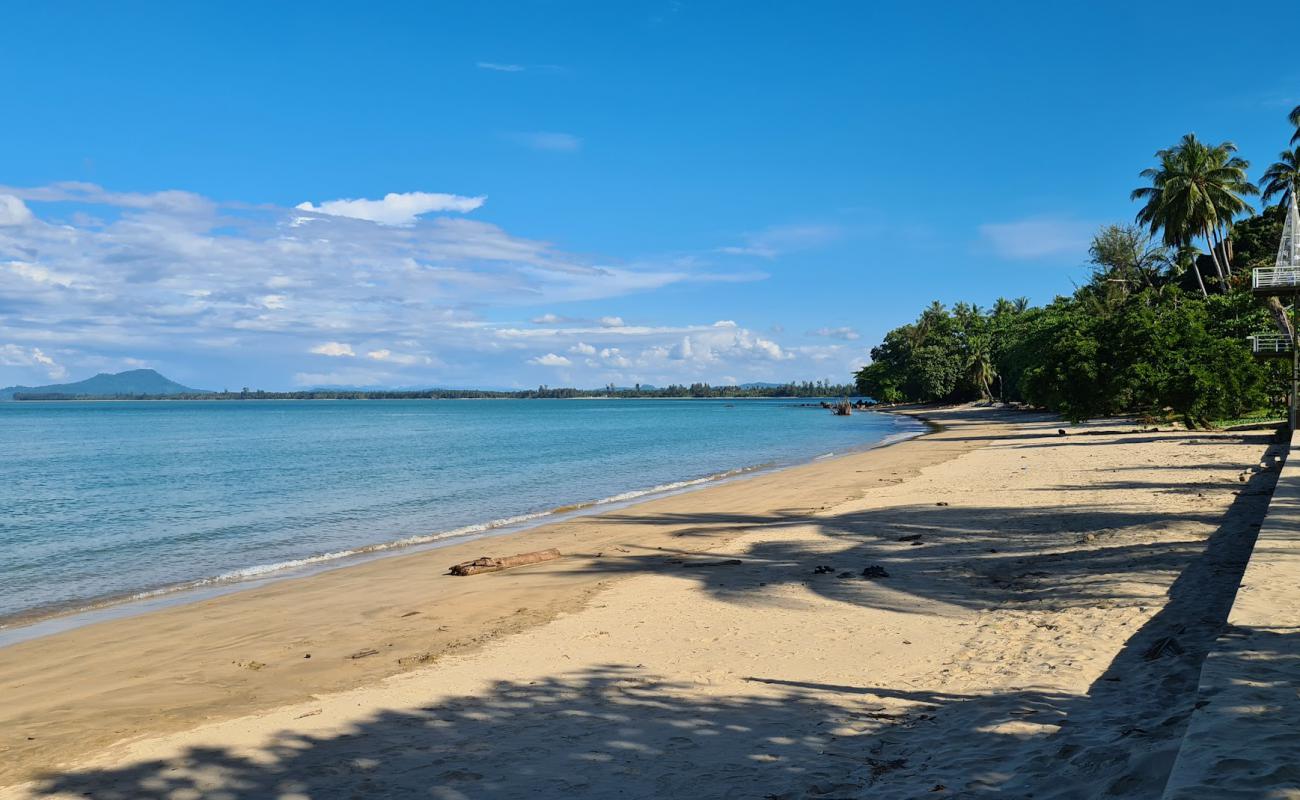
(1196, 190)
(1007, 308)
(1283, 176)
(1294, 116)
(979, 366)
(931, 317)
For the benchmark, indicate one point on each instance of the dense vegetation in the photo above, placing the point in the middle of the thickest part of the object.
(1158, 329)
(803, 389)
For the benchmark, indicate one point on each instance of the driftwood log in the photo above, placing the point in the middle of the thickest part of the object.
(486, 564)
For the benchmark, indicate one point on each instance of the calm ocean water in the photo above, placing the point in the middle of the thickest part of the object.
(117, 499)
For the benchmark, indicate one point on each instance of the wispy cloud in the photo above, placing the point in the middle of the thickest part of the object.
(498, 67)
(547, 140)
(1038, 237)
(501, 66)
(12, 355)
(845, 333)
(779, 239)
(344, 377)
(405, 359)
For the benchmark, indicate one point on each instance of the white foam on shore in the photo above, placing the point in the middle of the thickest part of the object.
(264, 571)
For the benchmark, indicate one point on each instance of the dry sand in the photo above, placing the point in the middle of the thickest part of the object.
(1048, 603)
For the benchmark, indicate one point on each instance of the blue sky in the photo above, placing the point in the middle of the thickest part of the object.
(577, 193)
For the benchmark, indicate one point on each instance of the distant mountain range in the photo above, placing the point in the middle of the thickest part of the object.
(123, 384)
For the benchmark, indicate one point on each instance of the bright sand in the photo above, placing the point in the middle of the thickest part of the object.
(1014, 644)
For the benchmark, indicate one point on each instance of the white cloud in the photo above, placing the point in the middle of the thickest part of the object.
(550, 360)
(614, 357)
(548, 140)
(334, 349)
(845, 333)
(395, 208)
(175, 277)
(13, 211)
(1038, 237)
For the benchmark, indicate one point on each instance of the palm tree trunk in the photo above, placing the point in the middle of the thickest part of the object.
(1199, 280)
(1225, 248)
(1223, 282)
(1280, 318)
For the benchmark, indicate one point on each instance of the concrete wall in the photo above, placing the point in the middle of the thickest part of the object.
(1243, 741)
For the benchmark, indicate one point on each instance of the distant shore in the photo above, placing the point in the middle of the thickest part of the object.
(450, 395)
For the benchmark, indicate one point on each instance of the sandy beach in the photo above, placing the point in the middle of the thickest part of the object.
(1010, 635)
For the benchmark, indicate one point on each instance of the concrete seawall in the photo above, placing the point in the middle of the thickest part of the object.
(1243, 740)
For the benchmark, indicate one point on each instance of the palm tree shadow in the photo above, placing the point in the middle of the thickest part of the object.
(610, 731)
(618, 730)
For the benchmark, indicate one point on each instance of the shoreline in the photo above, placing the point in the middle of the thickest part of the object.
(1014, 584)
(48, 621)
(218, 658)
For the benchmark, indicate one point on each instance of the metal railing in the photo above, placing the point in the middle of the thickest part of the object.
(1275, 278)
(1268, 344)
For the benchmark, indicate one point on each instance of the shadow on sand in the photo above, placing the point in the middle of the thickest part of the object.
(618, 731)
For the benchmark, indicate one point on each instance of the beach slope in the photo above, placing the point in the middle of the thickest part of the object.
(992, 607)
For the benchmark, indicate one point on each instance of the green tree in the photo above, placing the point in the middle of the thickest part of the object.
(1125, 256)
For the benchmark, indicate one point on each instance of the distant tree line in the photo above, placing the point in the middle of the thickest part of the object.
(699, 390)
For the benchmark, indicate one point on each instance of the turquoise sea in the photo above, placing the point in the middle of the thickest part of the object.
(130, 499)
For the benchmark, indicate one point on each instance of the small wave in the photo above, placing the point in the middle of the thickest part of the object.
(263, 570)
(668, 487)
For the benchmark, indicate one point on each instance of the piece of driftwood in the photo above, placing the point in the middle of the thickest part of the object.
(730, 562)
(487, 564)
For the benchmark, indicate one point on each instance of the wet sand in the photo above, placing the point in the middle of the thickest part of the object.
(1003, 644)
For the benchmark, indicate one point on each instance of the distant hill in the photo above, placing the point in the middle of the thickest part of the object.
(131, 382)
